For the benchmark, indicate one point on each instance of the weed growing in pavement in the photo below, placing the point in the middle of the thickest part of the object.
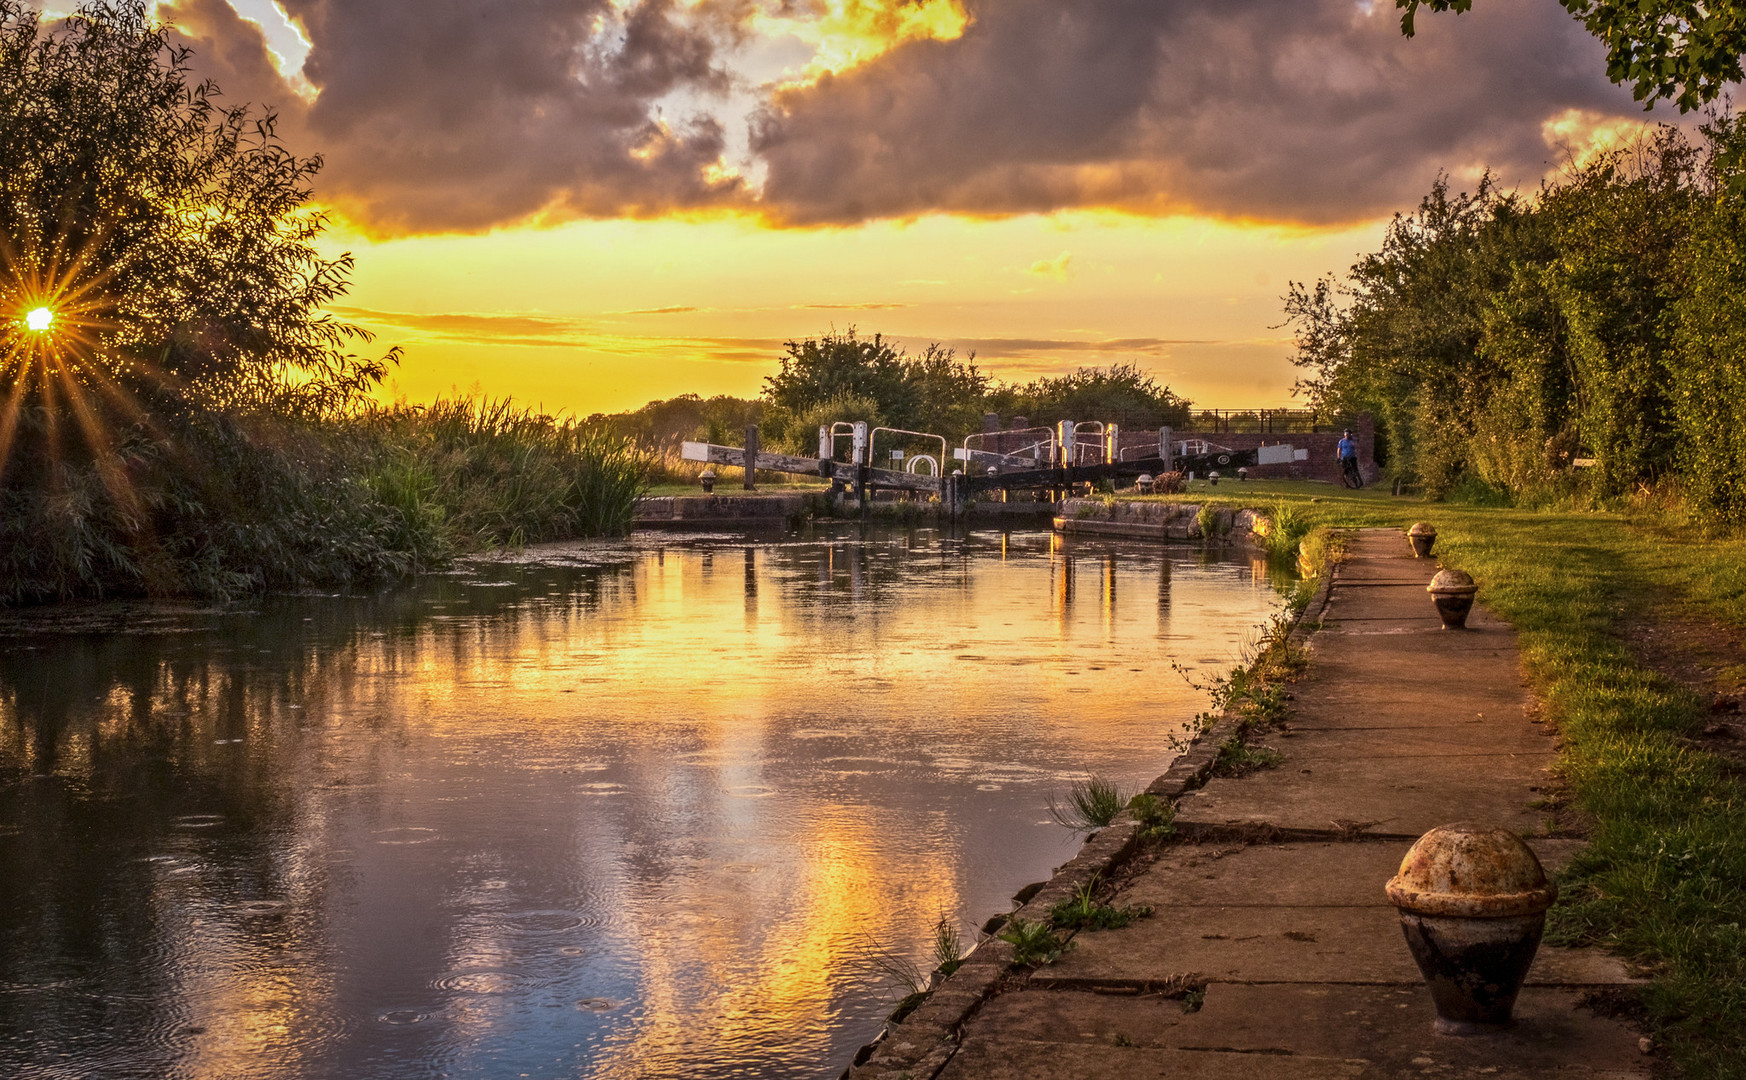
(1085, 912)
(1033, 942)
(1156, 817)
(1091, 803)
(1237, 758)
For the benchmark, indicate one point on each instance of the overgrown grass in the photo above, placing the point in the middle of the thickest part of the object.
(1663, 880)
(493, 473)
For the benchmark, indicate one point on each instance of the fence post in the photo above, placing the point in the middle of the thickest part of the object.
(751, 457)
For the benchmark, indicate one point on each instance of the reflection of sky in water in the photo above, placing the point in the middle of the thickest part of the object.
(612, 810)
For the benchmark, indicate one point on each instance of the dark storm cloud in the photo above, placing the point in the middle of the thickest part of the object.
(467, 114)
(464, 114)
(1305, 110)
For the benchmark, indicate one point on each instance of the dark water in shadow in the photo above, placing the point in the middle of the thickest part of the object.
(609, 810)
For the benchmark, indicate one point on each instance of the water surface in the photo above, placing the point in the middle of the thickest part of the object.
(626, 810)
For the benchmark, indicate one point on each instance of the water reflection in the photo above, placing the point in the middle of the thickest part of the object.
(607, 811)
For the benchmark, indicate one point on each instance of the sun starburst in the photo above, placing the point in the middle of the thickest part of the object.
(55, 361)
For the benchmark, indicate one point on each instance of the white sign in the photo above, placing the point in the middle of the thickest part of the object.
(694, 451)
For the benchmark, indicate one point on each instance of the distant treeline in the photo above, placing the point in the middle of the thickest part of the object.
(1506, 341)
(842, 376)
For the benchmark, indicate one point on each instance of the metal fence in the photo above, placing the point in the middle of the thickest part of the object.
(1263, 421)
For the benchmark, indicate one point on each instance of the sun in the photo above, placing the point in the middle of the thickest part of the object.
(39, 319)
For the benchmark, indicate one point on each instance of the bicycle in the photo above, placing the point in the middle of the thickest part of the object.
(1349, 474)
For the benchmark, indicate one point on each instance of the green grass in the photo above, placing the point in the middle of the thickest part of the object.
(1090, 804)
(1663, 881)
(729, 482)
(1084, 911)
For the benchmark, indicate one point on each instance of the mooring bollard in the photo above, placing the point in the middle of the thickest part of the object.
(1452, 591)
(1423, 534)
(1242, 475)
(707, 479)
(1472, 903)
(1213, 478)
(1144, 483)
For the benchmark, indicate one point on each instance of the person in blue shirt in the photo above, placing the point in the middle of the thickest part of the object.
(1348, 458)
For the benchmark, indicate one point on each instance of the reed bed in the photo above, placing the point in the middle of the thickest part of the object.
(225, 506)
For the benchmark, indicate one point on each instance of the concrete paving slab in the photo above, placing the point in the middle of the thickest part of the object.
(1400, 796)
(1425, 711)
(1388, 1027)
(1413, 616)
(1391, 1027)
(1298, 944)
(1513, 736)
(1006, 1059)
(1079, 1016)
(1324, 874)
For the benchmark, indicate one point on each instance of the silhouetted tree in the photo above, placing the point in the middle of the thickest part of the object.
(171, 236)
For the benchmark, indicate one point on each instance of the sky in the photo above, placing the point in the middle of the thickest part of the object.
(591, 204)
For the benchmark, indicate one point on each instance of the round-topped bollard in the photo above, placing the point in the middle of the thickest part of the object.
(1144, 483)
(1452, 591)
(1423, 534)
(707, 479)
(1472, 901)
(1213, 478)
(1242, 474)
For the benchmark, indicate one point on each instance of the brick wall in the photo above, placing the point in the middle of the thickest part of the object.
(1322, 463)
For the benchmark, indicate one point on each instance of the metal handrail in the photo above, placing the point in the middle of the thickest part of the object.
(873, 440)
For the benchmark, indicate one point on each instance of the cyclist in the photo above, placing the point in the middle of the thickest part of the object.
(1348, 457)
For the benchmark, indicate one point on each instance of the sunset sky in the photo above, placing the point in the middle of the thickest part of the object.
(589, 204)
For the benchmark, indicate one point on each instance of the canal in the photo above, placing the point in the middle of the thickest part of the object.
(610, 810)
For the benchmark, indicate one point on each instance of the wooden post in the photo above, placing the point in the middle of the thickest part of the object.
(751, 457)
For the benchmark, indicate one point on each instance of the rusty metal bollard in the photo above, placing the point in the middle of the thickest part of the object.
(1144, 483)
(1452, 591)
(1472, 903)
(707, 479)
(1423, 534)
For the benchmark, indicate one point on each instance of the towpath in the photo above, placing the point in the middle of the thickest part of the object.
(1270, 910)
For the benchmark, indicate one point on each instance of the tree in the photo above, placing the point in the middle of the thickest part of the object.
(170, 236)
(1121, 394)
(1684, 51)
(821, 377)
(834, 366)
(948, 393)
